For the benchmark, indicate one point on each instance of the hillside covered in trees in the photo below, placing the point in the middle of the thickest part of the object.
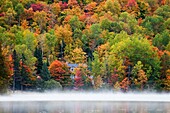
(120, 45)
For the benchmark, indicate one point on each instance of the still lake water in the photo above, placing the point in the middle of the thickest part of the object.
(84, 107)
(73, 102)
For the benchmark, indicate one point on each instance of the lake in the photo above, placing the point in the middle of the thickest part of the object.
(84, 107)
(85, 102)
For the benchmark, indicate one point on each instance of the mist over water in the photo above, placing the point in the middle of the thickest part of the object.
(86, 102)
(86, 96)
(84, 107)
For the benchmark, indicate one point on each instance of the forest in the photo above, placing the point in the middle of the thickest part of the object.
(84, 45)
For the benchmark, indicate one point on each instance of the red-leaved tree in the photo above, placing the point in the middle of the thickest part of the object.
(131, 3)
(37, 7)
(113, 78)
(78, 80)
(63, 5)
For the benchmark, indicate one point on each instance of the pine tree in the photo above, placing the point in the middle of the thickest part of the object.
(39, 55)
(44, 78)
(25, 74)
(4, 73)
(16, 75)
(45, 74)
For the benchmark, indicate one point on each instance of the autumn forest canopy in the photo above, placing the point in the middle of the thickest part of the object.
(118, 45)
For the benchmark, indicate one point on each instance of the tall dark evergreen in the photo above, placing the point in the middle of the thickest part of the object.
(44, 77)
(16, 75)
(39, 55)
(4, 73)
(45, 74)
(48, 64)
(25, 75)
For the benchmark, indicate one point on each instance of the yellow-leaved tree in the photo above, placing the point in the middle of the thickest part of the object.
(64, 33)
(76, 56)
(41, 19)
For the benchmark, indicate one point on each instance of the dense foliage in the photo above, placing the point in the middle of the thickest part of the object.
(115, 44)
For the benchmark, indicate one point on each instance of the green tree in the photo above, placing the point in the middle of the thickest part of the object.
(128, 22)
(52, 85)
(105, 24)
(29, 57)
(163, 11)
(26, 76)
(161, 40)
(29, 40)
(44, 81)
(96, 65)
(167, 24)
(96, 40)
(39, 55)
(19, 37)
(45, 74)
(15, 2)
(136, 48)
(16, 68)
(51, 42)
(19, 8)
(153, 25)
(75, 23)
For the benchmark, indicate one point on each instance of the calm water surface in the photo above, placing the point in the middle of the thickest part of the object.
(84, 107)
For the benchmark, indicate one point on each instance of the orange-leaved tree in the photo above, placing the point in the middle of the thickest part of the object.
(98, 82)
(124, 85)
(60, 72)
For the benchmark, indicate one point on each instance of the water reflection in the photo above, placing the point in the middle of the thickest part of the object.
(84, 107)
